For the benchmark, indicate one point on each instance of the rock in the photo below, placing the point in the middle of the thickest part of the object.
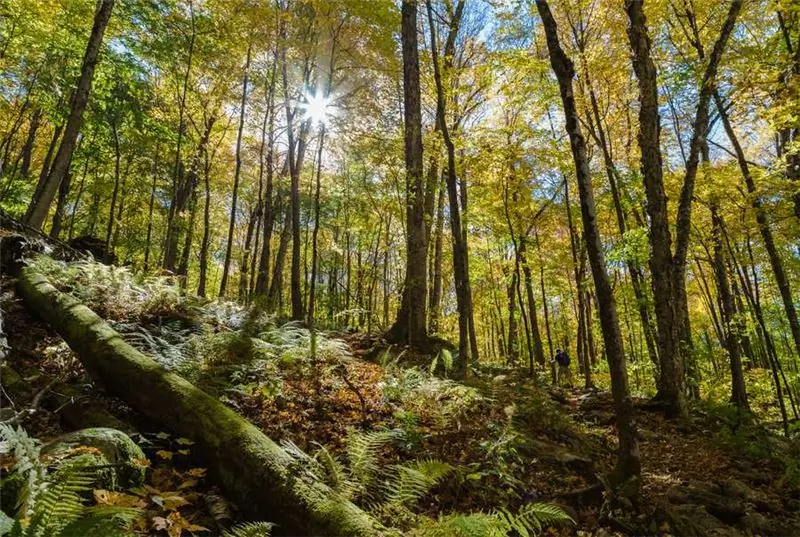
(734, 488)
(554, 452)
(122, 462)
(94, 246)
(691, 520)
(758, 524)
(724, 508)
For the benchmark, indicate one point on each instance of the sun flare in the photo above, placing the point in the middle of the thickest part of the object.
(317, 108)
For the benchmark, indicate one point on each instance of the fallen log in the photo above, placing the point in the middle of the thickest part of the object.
(259, 477)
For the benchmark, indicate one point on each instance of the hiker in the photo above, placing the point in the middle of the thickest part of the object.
(563, 372)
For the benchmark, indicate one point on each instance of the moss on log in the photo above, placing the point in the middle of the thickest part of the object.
(256, 474)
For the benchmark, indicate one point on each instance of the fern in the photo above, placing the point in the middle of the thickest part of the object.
(414, 480)
(250, 529)
(529, 521)
(50, 504)
(335, 472)
(362, 455)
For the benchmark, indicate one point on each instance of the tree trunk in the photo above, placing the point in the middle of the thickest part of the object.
(438, 250)
(39, 207)
(176, 206)
(628, 466)
(204, 244)
(150, 212)
(538, 349)
(410, 326)
(223, 286)
(738, 391)
(262, 281)
(27, 149)
(763, 227)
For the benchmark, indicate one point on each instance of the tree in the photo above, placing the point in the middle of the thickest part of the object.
(628, 465)
(410, 326)
(39, 206)
(668, 269)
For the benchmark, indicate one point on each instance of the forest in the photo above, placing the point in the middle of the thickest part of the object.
(399, 267)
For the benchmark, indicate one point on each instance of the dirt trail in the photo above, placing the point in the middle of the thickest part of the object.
(690, 479)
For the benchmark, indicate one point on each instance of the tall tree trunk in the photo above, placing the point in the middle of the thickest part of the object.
(668, 271)
(223, 286)
(177, 206)
(39, 207)
(315, 233)
(204, 244)
(438, 250)
(763, 227)
(27, 149)
(512, 342)
(538, 349)
(628, 466)
(410, 326)
(738, 391)
(460, 262)
(262, 280)
(150, 207)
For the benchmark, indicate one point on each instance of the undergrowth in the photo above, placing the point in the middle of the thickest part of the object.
(245, 357)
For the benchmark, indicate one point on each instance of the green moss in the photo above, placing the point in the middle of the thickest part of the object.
(120, 463)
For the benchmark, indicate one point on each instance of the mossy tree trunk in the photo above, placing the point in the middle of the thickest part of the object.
(256, 474)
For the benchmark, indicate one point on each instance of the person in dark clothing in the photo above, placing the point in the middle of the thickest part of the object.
(563, 373)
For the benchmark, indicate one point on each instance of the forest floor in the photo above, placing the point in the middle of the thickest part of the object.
(513, 440)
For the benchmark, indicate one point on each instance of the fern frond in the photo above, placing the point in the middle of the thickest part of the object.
(460, 525)
(535, 516)
(334, 469)
(414, 480)
(250, 529)
(362, 454)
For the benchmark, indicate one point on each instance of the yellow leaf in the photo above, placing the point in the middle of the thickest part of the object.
(166, 455)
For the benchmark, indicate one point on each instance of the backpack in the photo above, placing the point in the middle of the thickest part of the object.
(563, 359)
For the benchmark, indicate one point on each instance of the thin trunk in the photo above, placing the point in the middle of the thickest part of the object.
(223, 286)
(39, 207)
(460, 262)
(171, 243)
(150, 211)
(204, 244)
(738, 390)
(764, 228)
(538, 348)
(436, 287)
(315, 232)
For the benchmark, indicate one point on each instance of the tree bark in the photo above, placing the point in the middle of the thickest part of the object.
(628, 466)
(223, 286)
(39, 207)
(668, 272)
(410, 325)
(738, 390)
